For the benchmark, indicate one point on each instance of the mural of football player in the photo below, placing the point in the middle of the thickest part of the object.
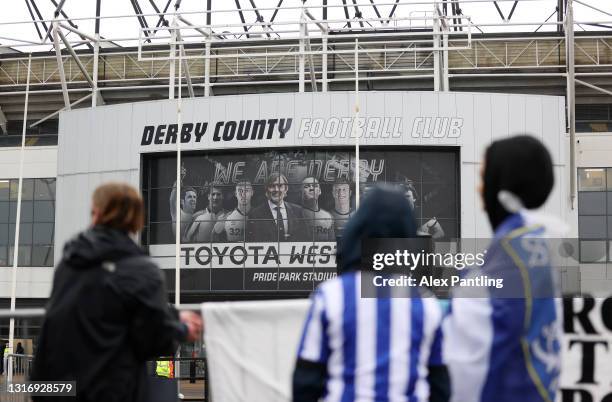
(202, 228)
(319, 222)
(232, 227)
(189, 200)
(430, 228)
(341, 192)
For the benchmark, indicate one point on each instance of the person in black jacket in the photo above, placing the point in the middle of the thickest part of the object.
(108, 311)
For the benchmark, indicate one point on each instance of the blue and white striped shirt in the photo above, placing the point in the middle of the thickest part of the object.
(375, 349)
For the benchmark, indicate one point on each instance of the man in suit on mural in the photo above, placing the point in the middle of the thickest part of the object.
(276, 219)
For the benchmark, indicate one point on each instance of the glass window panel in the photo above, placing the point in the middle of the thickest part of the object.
(4, 190)
(25, 233)
(26, 211)
(4, 234)
(592, 227)
(438, 200)
(163, 172)
(439, 167)
(592, 203)
(162, 233)
(44, 211)
(27, 190)
(44, 189)
(610, 251)
(4, 211)
(43, 233)
(591, 179)
(42, 256)
(593, 251)
(159, 207)
(23, 255)
(609, 175)
(609, 202)
(609, 227)
(3, 256)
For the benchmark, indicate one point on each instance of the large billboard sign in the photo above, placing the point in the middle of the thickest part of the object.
(428, 144)
(269, 220)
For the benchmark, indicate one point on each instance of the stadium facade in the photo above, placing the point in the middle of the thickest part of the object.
(433, 91)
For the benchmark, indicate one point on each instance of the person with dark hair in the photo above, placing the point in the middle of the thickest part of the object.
(319, 222)
(341, 192)
(503, 343)
(189, 201)
(277, 219)
(201, 230)
(231, 228)
(381, 348)
(108, 313)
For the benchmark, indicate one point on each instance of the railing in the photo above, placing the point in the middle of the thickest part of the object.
(190, 372)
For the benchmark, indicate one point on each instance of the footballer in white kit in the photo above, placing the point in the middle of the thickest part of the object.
(320, 223)
(231, 229)
(201, 230)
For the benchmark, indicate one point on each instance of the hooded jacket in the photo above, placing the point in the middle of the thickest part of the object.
(384, 213)
(107, 315)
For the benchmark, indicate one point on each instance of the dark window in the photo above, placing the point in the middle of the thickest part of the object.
(595, 214)
(37, 217)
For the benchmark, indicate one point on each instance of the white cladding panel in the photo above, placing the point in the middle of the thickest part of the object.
(104, 143)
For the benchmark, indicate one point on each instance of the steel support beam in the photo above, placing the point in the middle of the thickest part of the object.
(172, 58)
(141, 20)
(98, 10)
(34, 19)
(571, 96)
(311, 67)
(375, 9)
(259, 17)
(185, 64)
(512, 10)
(47, 34)
(301, 61)
(72, 24)
(75, 57)
(52, 115)
(58, 8)
(207, 91)
(242, 18)
(595, 87)
(324, 10)
(560, 12)
(208, 12)
(60, 64)
(392, 11)
(358, 14)
(162, 20)
(346, 14)
(280, 2)
(499, 11)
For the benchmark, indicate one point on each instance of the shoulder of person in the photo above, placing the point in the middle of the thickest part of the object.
(294, 207)
(259, 210)
(139, 268)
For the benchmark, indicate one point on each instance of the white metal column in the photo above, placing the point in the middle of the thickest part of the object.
(94, 96)
(355, 133)
(301, 56)
(18, 225)
(571, 96)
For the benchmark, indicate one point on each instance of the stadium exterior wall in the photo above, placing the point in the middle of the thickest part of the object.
(106, 143)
